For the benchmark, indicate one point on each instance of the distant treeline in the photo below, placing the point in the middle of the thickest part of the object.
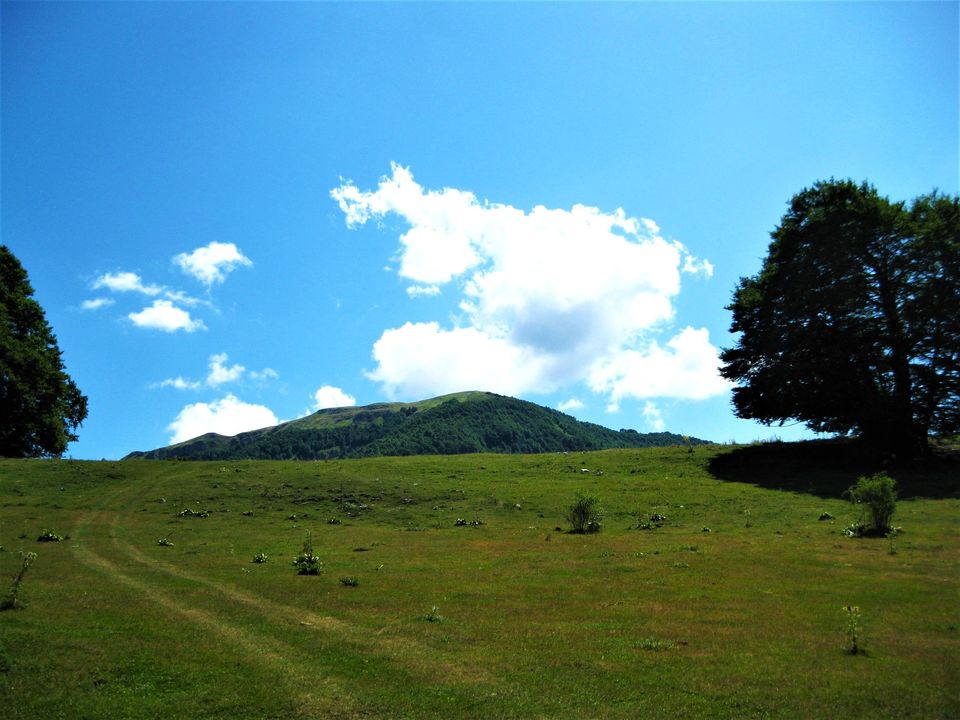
(484, 423)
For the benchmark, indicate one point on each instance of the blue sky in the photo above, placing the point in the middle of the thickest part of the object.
(234, 214)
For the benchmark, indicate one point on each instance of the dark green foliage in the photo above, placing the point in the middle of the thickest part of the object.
(852, 324)
(49, 536)
(878, 495)
(463, 423)
(585, 515)
(40, 406)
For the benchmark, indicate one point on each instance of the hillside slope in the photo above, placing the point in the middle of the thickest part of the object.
(448, 425)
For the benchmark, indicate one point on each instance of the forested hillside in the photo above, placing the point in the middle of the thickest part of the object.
(450, 425)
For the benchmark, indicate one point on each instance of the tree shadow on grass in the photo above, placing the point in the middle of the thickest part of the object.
(826, 468)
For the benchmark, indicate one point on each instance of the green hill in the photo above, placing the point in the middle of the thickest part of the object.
(467, 422)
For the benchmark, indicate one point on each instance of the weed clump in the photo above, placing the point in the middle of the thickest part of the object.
(307, 563)
(259, 558)
(434, 615)
(877, 494)
(656, 520)
(349, 581)
(853, 629)
(49, 536)
(585, 515)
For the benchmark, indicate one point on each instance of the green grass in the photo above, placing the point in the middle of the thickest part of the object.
(743, 621)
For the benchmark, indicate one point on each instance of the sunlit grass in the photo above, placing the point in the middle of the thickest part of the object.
(745, 620)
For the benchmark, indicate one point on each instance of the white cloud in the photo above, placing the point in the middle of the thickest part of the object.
(96, 303)
(686, 368)
(696, 266)
(263, 375)
(211, 264)
(423, 290)
(227, 416)
(651, 413)
(550, 297)
(179, 383)
(125, 282)
(571, 404)
(332, 397)
(421, 360)
(164, 315)
(220, 373)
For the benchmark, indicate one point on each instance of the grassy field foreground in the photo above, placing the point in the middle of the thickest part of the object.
(732, 608)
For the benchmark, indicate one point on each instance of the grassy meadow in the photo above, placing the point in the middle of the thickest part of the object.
(732, 608)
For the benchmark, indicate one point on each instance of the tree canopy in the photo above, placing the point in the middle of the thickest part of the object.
(852, 324)
(40, 406)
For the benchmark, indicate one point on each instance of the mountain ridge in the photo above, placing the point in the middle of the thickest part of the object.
(458, 423)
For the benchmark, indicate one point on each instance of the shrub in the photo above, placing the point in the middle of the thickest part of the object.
(259, 558)
(349, 581)
(434, 615)
(307, 563)
(878, 495)
(585, 514)
(49, 536)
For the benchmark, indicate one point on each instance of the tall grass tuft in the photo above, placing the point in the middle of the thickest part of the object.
(12, 600)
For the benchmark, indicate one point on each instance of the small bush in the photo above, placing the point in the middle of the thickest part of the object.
(349, 581)
(165, 542)
(585, 515)
(307, 563)
(49, 536)
(878, 496)
(259, 558)
(187, 512)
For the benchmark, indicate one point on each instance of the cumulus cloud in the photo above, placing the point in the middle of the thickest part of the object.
(685, 368)
(211, 264)
(651, 413)
(549, 298)
(332, 397)
(227, 416)
(125, 282)
(571, 404)
(219, 373)
(164, 315)
(96, 303)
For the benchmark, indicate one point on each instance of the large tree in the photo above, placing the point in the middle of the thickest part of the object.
(852, 324)
(40, 406)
